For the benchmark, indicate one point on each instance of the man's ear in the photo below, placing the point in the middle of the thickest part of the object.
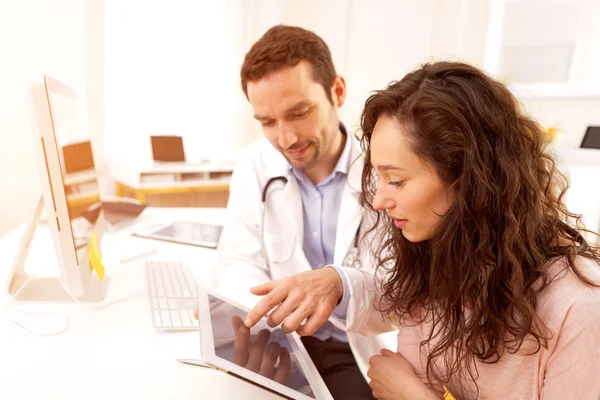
(338, 91)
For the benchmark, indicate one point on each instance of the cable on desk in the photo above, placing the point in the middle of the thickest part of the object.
(66, 327)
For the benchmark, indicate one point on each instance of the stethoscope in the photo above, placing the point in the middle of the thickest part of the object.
(352, 258)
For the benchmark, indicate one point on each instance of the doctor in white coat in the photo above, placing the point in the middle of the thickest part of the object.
(293, 203)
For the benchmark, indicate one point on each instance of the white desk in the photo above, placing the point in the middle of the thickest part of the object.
(113, 353)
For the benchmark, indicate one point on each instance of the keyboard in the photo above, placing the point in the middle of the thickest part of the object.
(173, 296)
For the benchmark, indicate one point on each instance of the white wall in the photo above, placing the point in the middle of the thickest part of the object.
(586, 66)
(170, 68)
(157, 75)
(386, 42)
(113, 50)
(375, 42)
(570, 115)
(36, 37)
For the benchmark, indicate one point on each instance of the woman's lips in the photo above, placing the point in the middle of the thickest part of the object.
(400, 223)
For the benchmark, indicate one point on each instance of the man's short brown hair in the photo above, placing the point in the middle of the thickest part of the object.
(285, 46)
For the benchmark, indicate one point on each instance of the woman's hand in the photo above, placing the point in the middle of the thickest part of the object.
(393, 378)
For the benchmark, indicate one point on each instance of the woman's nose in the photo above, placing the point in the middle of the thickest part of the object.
(381, 201)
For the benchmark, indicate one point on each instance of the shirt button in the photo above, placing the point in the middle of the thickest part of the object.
(315, 233)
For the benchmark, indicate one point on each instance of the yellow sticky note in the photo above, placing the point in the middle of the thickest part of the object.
(95, 258)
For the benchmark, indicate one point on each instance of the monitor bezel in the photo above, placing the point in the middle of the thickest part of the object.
(74, 269)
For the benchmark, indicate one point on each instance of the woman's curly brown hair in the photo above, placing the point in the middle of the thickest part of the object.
(491, 250)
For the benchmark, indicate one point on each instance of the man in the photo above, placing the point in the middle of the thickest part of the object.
(293, 203)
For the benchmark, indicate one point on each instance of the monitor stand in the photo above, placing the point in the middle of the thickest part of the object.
(26, 288)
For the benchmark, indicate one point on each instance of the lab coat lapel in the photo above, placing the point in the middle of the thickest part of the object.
(289, 214)
(350, 210)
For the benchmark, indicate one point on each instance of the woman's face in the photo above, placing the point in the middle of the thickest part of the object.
(409, 189)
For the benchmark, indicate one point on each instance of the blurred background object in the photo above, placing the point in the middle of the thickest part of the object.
(151, 67)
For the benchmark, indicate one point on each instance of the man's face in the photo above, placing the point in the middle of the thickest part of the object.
(296, 114)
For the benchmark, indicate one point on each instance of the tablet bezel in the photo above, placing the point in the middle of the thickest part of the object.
(209, 356)
(149, 232)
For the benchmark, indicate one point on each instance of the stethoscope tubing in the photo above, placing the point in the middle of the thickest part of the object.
(262, 222)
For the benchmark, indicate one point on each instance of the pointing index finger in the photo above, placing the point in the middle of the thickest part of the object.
(266, 304)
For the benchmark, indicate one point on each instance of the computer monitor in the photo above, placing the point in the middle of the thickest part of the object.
(59, 120)
(591, 138)
(168, 148)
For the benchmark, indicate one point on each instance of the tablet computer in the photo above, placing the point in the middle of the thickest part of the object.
(264, 356)
(184, 232)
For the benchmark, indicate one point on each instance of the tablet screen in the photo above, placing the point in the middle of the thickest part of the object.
(262, 349)
(190, 232)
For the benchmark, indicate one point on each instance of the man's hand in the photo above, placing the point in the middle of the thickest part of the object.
(310, 296)
(254, 356)
(393, 378)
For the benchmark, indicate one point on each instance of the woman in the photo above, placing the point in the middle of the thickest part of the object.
(488, 278)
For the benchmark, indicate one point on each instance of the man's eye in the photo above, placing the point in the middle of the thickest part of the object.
(267, 123)
(300, 114)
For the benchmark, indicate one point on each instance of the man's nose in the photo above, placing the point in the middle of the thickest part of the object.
(286, 136)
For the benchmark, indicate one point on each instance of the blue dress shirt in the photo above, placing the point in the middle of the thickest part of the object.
(321, 208)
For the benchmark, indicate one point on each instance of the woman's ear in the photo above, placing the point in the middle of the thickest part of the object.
(338, 91)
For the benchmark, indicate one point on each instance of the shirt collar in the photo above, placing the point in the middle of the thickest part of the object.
(343, 164)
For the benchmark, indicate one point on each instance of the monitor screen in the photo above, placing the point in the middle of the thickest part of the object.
(591, 139)
(167, 148)
(80, 184)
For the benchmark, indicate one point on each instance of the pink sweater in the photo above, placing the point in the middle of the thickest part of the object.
(568, 369)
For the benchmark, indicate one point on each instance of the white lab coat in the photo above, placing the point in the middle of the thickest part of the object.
(241, 260)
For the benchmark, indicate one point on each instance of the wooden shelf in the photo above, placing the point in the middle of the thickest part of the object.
(174, 184)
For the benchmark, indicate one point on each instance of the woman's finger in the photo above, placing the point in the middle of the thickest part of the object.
(387, 353)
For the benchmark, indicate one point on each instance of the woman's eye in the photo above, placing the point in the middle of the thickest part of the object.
(396, 183)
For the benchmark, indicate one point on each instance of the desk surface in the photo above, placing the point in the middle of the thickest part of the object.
(113, 353)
